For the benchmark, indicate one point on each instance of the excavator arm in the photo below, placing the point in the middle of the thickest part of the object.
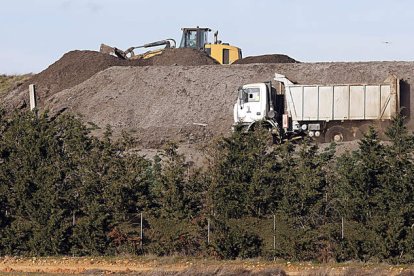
(129, 53)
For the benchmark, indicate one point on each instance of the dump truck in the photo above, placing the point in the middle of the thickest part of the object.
(338, 112)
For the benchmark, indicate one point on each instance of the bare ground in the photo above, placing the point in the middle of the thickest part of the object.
(151, 265)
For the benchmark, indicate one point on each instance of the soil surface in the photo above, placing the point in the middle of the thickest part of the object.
(275, 58)
(77, 66)
(193, 104)
(73, 68)
(179, 56)
(147, 265)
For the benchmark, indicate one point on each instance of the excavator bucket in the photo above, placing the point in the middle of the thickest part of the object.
(105, 49)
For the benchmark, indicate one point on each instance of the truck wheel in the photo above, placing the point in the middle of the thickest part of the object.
(337, 134)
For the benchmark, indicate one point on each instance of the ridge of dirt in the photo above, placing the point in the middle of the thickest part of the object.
(71, 69)
(178, 56)
(194, 104)
(77, 66)
(272, 58)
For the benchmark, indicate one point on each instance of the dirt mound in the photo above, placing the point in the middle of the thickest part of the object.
(193, 104)
(275, 58)
(77, 66)
(190, 104)
(183, 57)
(72, 69)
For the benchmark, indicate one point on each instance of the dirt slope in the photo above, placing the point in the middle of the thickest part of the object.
(75, 67)
(194, 103)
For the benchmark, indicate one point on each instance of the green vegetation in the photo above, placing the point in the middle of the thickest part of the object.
(9, 82)
(63, 192)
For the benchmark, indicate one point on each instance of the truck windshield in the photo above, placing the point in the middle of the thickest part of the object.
(251, 94)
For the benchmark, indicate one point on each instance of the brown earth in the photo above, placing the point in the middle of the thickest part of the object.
(151, 265)
(77, 66)
(274, 58)
(179, 56)
(73, 68)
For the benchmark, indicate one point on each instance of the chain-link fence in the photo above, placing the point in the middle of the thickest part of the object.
(270, 237)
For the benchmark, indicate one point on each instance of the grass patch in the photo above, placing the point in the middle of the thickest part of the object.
(8, 83)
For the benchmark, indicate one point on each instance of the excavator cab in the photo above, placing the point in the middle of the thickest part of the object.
(194, 38)
(197, 38)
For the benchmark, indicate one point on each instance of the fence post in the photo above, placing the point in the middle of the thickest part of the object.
(208, 231)
(141, 233)
(274, 237)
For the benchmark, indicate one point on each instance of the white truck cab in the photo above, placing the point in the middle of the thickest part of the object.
(251, 105)
(254, 104)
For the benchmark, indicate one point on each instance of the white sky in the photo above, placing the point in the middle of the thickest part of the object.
(35, 33)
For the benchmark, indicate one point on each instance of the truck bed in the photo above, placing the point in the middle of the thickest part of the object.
(343, 101)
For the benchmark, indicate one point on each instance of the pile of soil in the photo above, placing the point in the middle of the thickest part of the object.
(77, 66)
(72, 69)
(275, 58)
(179, 56)
(193, 104)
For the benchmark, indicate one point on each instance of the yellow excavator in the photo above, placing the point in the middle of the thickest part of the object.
(195, 38)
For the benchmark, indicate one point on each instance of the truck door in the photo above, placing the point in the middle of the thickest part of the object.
(252, 103)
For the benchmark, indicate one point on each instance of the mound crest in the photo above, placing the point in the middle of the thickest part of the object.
(274, 58)
(77, 66)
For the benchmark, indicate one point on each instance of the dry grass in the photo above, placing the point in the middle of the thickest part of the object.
(8, 83)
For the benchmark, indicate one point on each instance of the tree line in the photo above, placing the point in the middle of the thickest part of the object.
(65, 192)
